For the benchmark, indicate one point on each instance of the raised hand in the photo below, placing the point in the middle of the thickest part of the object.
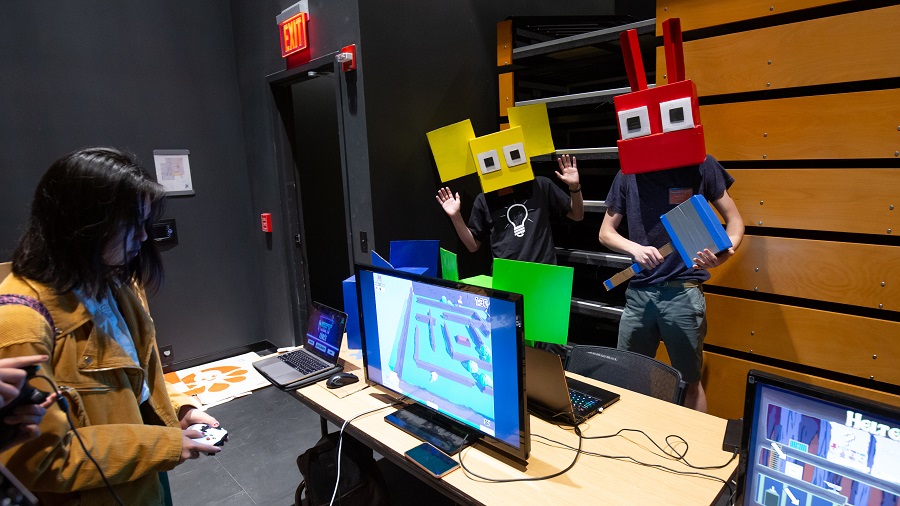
(448, 201)
(568, 172)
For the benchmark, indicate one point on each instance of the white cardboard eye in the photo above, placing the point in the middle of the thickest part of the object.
(634, 123)
(676, 114)
(515, 154)
(489, 161)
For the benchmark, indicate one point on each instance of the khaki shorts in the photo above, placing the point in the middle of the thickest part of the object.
(674, 312)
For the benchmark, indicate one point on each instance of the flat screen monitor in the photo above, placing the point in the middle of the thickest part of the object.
(810, 446)
(456, 350)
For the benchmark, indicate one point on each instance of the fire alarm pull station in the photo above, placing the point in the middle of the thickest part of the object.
(266, 222)
(347, 57)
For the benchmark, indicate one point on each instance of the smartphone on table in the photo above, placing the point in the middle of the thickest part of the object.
(432, 460)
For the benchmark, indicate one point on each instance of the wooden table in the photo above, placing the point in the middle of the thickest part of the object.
(597, 480)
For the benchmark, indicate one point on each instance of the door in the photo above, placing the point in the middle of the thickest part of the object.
(316, 148)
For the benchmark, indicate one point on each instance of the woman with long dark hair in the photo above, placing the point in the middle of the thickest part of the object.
(86, 260)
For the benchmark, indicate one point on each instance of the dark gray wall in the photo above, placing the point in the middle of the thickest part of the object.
(141, 76)
(258, 55)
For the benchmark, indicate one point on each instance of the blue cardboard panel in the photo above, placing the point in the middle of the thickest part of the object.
(416, 254)
(379, 261)
(414, 270)
(692, 227)
(711, 221)
(351, 307)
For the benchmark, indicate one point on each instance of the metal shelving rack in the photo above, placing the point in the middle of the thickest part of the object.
(574, 65)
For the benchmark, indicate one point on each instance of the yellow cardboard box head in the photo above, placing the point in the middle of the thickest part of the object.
(501, 159)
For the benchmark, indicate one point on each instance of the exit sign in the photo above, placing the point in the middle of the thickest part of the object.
(293, 35)
(292, 28)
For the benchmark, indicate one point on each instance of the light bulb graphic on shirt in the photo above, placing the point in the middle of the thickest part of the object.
(517, 217)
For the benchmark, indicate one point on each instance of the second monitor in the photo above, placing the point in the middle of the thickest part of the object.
(456, 350)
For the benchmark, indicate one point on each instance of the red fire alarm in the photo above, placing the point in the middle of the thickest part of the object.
(266, 222)
(347, 57)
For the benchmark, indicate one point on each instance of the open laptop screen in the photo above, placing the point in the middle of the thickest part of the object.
(326, 328)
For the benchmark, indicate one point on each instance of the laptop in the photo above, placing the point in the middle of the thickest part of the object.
(317, 360)
(557, 398)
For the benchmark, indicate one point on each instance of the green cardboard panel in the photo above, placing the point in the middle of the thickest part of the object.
(449, 267)
(481, 280)
(548, 296)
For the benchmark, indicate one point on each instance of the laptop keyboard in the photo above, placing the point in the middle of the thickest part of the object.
(582, 403)
(303, 362)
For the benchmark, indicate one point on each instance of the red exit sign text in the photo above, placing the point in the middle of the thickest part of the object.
(293, 34)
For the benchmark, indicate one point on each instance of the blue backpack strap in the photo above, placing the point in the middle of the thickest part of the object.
(24, 300)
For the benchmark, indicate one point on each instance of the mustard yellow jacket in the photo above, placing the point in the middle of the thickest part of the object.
(102, 386)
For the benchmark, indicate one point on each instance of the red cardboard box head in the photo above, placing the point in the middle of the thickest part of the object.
(659, 128)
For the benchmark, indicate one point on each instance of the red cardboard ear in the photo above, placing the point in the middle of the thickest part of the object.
(674, 50)
(634, 64)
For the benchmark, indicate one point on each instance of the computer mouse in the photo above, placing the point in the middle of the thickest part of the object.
(340, 379)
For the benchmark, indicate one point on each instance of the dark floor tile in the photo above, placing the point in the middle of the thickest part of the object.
(266, 474)
(201, 482)
(267, 412)
(270, 430)
(287, 500)
(240, 499)
(266, 432)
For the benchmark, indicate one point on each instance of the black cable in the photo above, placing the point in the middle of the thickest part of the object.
(64, 406)
(535, 478)
(337, 480)
(678, 457)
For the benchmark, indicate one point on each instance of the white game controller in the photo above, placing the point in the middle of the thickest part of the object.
(215, 436)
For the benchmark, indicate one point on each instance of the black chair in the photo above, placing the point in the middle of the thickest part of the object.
(629, 370)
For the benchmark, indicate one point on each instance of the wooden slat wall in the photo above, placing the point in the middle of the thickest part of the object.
(504, 43)
(865, 347)
(836, 49)
(506, 92)
(704, 13)
(865, 201)
(821, 93)
(839, 126)
(865, 275)
(726, 379)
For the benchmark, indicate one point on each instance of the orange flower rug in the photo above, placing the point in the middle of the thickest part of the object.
(219, 381)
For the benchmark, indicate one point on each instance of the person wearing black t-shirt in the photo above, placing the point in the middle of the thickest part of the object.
(516, 220)
(665, 302)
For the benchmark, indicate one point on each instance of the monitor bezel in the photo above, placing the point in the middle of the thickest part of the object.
(521, 453)
(755, 377)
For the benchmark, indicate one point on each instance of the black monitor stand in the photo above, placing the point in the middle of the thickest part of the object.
(442, 432)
